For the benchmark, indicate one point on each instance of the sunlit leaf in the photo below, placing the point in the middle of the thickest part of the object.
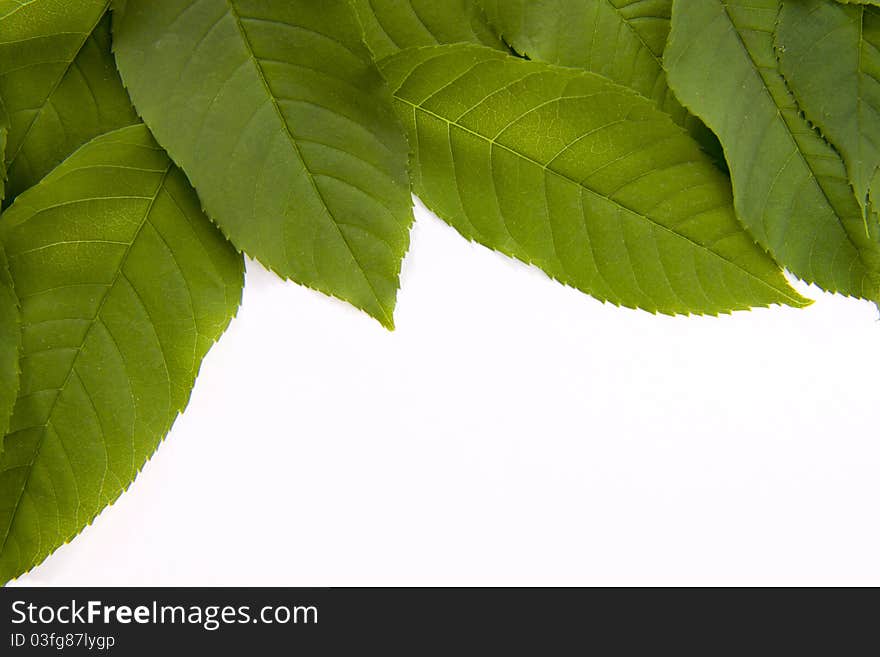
(580, 176)
(124, 285)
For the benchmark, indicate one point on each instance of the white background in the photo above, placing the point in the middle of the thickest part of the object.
(510, 432)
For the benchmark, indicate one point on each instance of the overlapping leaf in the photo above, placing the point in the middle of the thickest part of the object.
(580, 176)
(829, 54)
(393, 25)
(124, 285)
(620, 39)
(277, 115)
(790, 186)
(58, 82)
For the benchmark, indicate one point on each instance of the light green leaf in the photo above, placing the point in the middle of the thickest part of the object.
(277, 115)
(58, 81)
(830, 56)
(582, 177)
(790, 186)
(10, 343)
(393, 25)
(124, 285)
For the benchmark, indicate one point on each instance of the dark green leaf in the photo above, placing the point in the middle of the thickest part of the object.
(790, 187)
(277, 115)
(830, 56)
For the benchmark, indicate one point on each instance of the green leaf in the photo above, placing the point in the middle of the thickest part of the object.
(790, 187)
(393, 25)
(830, 56)
(124, 285)
(284, 126)
(620, 39)
(58, 81)
(10, 343)
(582, 177)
